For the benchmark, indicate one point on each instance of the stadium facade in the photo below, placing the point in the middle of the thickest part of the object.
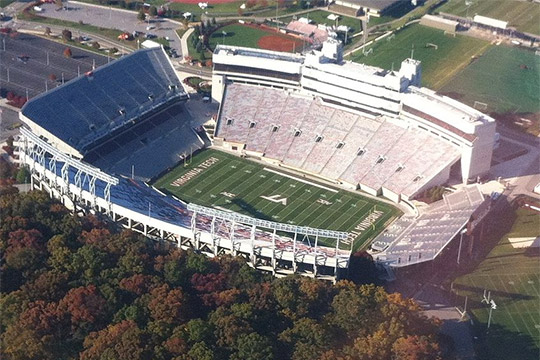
(124, 112)
(358, 126)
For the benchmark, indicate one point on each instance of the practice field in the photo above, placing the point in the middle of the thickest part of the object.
(442, 56)
(255, 37)
(510, 272)
(224, 181)
(523, 15)
(505, 78)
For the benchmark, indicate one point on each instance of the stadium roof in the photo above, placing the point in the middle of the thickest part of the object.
(94, 105)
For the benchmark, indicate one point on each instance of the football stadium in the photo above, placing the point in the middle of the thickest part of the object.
(311, 157)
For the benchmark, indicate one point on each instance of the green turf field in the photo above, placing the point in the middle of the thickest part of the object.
(438, 65)
(523, 15)
(239, 185)
(506, 78)
(513, 276)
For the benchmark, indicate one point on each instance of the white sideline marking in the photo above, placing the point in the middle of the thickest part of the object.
(301, 180)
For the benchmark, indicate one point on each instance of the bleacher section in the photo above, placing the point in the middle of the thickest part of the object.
(103, 102)
(307, 134)
(412, 240)
(167, 133)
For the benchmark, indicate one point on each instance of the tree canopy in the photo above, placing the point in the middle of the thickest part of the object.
(79, 288)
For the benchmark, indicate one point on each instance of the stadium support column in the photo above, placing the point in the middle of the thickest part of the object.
(315, 257)
(294, 265)
(213, 233)
(65, 177)
(252, 250)
(194, 231)
(231, 238)
(274, 252)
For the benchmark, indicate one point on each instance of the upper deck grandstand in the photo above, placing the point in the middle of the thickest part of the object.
(102, 103)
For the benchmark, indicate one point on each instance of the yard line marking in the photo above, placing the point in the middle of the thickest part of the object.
(300, 180)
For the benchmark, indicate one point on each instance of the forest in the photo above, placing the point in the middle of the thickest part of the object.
(81, 288)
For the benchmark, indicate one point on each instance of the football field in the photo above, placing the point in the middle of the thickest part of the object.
(510, 272)
(224, 181)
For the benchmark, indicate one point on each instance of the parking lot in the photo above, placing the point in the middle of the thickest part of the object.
(115, 19)
(33, 64)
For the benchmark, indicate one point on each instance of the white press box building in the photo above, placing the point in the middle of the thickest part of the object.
(358, 126)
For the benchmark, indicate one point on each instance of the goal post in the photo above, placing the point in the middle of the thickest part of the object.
(450, 33)
(431, 45)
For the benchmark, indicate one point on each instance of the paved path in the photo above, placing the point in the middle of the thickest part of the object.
(183, 43)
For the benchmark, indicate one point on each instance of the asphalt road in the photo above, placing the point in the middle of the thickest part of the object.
(114, 19)
(29, 61)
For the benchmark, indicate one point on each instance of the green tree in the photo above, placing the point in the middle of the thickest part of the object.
(152, 11)
(141, 16)
(252, 347)
(66, 35)
(23, 175)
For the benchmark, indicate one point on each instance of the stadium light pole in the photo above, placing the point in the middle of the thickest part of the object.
(460, 243)
(492, 306)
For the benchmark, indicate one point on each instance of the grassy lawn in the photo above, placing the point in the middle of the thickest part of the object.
(4, 3)
(438, 65)
(111, 34)
(523, 15)
(193, 51)
(513, 277)
(238, 184)
(506, 78)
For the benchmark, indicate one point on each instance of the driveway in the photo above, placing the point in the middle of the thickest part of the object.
(108, 17)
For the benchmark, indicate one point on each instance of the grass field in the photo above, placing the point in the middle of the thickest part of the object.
(506, 78)
(513, 277)
(438, 65)
(237, 184)
(523, 15)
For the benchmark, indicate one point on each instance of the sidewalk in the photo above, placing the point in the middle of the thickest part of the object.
(183, 43)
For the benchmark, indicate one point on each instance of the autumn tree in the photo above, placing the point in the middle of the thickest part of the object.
(122, 341)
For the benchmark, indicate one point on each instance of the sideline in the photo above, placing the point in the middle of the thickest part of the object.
(301, 180)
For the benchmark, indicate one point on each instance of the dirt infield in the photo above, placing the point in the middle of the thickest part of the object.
(198, 1)
(279, 43)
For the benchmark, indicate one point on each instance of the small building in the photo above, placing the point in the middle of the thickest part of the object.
(149, 44)
(439, 23)
(375, 8)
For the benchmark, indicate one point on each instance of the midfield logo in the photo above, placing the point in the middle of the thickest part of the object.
(276, 199)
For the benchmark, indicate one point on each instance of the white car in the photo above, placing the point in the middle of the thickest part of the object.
(150, 27)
